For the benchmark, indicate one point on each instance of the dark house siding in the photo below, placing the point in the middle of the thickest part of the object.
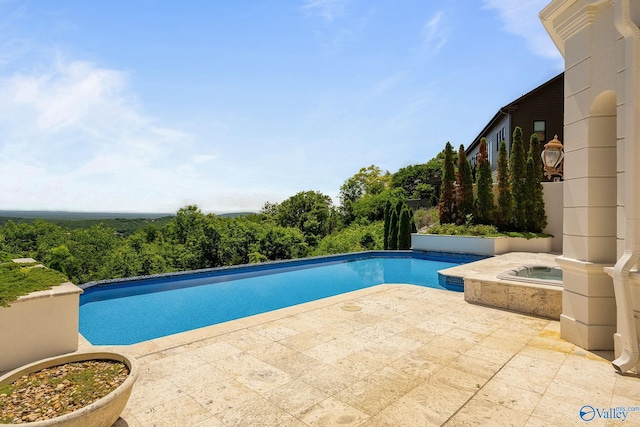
(544, 103)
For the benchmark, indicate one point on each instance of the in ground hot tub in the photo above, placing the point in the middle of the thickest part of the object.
(539, 274)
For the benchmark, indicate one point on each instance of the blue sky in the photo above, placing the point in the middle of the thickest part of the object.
(147, 106)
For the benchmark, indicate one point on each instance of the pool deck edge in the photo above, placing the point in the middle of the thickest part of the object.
(169, 342)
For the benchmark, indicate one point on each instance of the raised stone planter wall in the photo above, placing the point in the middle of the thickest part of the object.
(487, 246)
(39, 325)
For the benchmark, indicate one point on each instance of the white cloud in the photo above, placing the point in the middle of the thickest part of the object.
(434, 33)
(520, 17)
(326, 9)
(203, 158)
(75, 136)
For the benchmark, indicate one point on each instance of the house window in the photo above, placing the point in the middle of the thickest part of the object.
(490, 152)
(500, 136)
(540, 128)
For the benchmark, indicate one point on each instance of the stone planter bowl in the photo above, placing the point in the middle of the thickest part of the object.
(101, 413)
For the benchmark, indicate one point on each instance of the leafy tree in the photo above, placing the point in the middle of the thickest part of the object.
(194, 240)
(435, 168)
(187, 224)
(517, 166)
(310, 212)
(354, 238)
(464, 193)
(505, 201)
(90, 249)
(209, 245)
(153, 259)
(30, 240)
(122, 261)
(238, 237)
(60, 259)
(416, 180)
(366, 182)
(484, 202)
(369, 180)
(404, 229)
(269, 209)
(446, 206)
(280, 243)
(370, 208)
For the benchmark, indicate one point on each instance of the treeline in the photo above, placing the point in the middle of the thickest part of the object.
(123, 226)
(519, 205)
(306, 224)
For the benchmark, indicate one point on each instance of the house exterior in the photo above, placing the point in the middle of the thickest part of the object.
(540, 110)
(600, 42)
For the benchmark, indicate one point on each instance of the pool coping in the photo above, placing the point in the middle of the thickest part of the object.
(271, 265)
(180, 339)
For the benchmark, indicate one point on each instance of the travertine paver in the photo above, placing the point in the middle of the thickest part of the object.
(409, 356)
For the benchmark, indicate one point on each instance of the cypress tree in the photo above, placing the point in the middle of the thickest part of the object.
(537, 219)
(447, 196)
(528, 204)
(464, 194)
(400, 204)
(393, 231)
(404, 230)
(485, 205)
(503, 212)
(387, 222)
(517, 171)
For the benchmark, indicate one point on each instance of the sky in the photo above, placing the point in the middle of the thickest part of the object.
(149, 106)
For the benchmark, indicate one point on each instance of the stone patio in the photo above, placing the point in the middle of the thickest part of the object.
(391, 355)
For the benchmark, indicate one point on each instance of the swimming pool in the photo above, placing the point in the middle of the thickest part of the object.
(125, 312)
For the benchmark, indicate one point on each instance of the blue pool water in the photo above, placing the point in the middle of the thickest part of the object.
(130, 312)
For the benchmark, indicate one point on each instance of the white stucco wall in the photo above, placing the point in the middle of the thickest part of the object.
(553, 205)
(39, 325)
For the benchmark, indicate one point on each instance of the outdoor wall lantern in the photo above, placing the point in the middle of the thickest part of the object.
(552, 157)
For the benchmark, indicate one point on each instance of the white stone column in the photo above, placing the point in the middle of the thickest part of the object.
(586, 35)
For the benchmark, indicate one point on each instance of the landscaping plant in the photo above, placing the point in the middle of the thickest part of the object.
(446, 206)
(504, 209)
(485, 205)
(518, 182)
(464, 192)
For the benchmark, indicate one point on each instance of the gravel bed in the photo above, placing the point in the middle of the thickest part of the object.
(59, 390)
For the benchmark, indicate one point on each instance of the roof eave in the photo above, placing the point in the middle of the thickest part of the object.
(548, 16)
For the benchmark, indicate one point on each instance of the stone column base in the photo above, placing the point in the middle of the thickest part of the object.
(588, 304)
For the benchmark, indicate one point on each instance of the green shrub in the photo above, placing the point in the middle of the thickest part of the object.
(426, 217)
(465, 230)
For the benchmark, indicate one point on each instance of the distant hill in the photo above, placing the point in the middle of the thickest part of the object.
(72, 216)
(125, 224)
(64, 215)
